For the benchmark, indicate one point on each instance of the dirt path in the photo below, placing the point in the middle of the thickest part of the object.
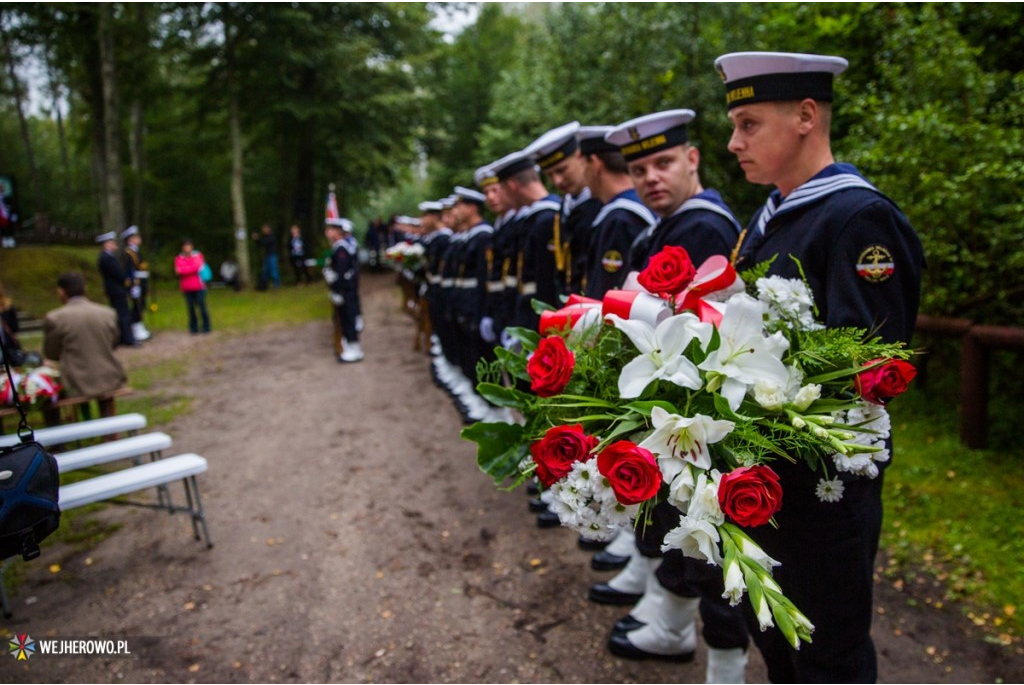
(357, 541)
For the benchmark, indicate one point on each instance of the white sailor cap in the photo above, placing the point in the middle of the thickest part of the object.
(511, 164)
(429, 206)
(591, 140)
(342, 223)
(129, 232)
(447, 202)
(554, 146)
(777, 76)
(651, 133)
(104, 237)
(484, 176)
(468, 195)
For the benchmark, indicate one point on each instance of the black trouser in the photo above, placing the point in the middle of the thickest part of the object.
(301, 270)
(346, 316)
(119, 301)
(827, 551)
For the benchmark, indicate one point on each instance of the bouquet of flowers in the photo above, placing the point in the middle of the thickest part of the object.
(684, 387)
(7, 392)
(40, 385)
(405, 255)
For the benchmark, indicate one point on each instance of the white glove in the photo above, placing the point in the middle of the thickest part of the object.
(330, 275)
(135, 292)
(337, 299)
(508, 342)
(487, 329)
(359, 323)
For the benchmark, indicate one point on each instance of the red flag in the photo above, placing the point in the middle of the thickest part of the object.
(331, 211)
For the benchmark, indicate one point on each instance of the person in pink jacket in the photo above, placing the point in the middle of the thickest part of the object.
(189, 265)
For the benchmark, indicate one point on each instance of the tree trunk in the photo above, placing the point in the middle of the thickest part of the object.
(22, 121)
(238, 196)
(112, 187)
(62, 140)
(136, 152)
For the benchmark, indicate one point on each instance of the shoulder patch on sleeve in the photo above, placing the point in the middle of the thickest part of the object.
(875, 264)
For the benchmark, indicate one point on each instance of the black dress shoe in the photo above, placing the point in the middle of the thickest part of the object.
(548, 519)
(537, 506)
(606, 561)
(626, 624)
(619, 645)
(603, 593)
(591, 545)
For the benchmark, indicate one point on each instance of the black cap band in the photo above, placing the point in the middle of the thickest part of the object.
(635, 149)
(591, 146)
(552, 158)
(816, 85)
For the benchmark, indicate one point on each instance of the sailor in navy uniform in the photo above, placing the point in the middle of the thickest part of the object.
(535, 249)
(863, 262)
(434, 240)
(558, 156)
(664, 167)
(506, 246)
(116, 285)
(669, 587)
(137, 276)
(341, 275)
(500, 257)
(622, 217)
(471, 278)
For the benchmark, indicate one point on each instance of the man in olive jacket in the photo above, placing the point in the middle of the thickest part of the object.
(80, 336)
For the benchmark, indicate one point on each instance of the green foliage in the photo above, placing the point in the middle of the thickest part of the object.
(949, 529)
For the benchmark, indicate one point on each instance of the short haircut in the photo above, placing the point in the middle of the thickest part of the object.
(72, 283)
(525, 177)
(613, 161)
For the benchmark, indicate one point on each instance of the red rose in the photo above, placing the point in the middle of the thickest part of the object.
(550, 367)
(750, 495)
(882, 383)
(668, 272)
(558, 450)
(631, 471)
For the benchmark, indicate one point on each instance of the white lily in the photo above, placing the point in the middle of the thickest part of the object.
(679, 439)
(746, 355)
(661, 352)
(696, 538)
(680, 488)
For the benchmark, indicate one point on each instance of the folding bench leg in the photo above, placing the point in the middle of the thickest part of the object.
(196, 510)
(163, 493)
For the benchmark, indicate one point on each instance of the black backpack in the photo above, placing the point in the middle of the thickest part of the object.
(29, 490)
(29, 511)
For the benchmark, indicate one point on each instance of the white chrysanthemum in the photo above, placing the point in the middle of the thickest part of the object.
(860, 464)
(871, 417)
(829, 490)
(585, 502)
(788, 300)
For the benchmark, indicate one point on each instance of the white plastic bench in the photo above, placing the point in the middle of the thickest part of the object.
(104, 453)
(154, 474)
(72, 432)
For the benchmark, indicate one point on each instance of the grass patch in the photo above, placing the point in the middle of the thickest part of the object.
(241, 312)
(953, 527)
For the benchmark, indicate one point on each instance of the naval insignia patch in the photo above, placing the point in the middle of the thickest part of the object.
(612, 261)
(875, 264)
